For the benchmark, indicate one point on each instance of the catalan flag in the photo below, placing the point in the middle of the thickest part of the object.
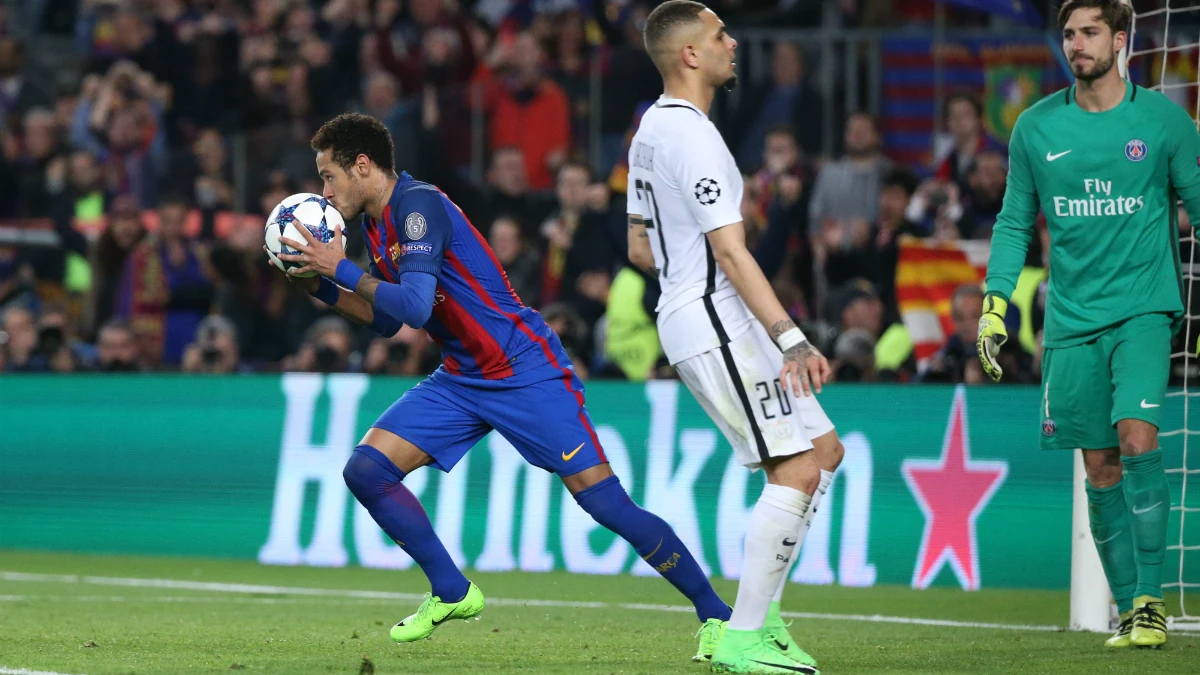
(927, 275)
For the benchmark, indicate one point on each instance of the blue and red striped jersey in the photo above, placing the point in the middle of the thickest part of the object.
(482, 327)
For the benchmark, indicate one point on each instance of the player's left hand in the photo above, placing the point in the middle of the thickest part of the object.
(805, 369)
(314, 255)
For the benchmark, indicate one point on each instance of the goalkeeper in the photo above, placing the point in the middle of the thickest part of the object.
(1106, 161)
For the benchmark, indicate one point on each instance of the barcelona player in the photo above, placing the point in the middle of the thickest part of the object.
(503, 368)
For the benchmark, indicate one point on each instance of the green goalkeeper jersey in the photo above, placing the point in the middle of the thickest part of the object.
(1108, 184)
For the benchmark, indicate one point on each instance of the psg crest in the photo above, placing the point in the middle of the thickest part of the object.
(1135, 150)
(1048, 427)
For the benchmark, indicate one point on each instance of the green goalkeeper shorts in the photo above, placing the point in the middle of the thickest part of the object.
(1088, 388)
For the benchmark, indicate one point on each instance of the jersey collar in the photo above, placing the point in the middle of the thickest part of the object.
(1130, 94)
(664, 102)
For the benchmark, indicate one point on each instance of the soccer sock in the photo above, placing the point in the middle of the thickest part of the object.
(655, 541)
(771, 543)
(1149, 501)
(1114, 541)
(822, 488)
(376, 483)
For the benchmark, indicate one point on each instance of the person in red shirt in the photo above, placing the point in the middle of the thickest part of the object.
(532, 113)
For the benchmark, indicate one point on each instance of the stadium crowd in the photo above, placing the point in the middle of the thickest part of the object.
(120, 165)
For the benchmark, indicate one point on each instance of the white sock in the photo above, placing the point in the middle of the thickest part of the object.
(775, 520)
(822, 488)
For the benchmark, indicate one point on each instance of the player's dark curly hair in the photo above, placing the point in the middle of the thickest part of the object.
(1116, 14)
(352, 134)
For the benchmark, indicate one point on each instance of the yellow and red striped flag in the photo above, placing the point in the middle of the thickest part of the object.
(927, 275)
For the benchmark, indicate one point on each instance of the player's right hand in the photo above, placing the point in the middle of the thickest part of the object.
(992, 335)
(804, 369)
(307, 284)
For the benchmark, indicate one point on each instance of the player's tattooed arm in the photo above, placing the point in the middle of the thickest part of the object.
(639, 245)
(799, 353)
(366, 288)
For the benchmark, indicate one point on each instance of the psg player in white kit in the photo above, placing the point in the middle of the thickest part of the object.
(723, 329)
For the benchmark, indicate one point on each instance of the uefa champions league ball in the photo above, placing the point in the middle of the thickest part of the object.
(304, 209)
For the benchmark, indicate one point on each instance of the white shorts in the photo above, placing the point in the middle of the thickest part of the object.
(738, 386)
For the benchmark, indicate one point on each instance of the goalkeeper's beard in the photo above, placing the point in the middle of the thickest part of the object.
(1100, 70)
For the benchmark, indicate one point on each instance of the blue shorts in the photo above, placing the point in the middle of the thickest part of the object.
(539, 411)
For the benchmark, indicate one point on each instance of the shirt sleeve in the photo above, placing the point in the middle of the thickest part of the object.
(709, 181)
(1014, 225)
(424, 228)
(1184, 165)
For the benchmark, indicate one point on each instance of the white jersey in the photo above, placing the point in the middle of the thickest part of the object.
(684, 183)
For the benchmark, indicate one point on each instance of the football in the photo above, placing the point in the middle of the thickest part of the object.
(307, 210)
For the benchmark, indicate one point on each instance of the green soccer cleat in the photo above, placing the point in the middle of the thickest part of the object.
(1149, 623)
(1120, 639)
(777, 636)
(710, 635)
(746, 651)
(433, 612)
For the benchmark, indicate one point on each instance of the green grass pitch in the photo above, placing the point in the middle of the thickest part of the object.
(92, 615)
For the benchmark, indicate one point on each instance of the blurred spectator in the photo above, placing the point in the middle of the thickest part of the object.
(120, 119)
(857, 305)
(409, 353)
(83, 196)
(956, 215)
(327, 348)
(522, 265)
(581, 251)
(215, 349)
(631, 79)
(854, 356)
(631, 335)
(845, 199)
(19, 93)
(507, 193)
(20, 340)
(967, 138)
(570, 67)
(949, 364)
(571, 331)
(429, 44)
(775, 213)
(57, 348)
(206, 174)
(123, 232)
(381, 100)
(899, 184)
(786, 99)
(42, 172)
(165, 290)
(532, 113)
(117, 348)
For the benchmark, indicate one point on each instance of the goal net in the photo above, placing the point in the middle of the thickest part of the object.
(1164, 55)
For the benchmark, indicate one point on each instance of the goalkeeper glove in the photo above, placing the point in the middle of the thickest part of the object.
(992, 335)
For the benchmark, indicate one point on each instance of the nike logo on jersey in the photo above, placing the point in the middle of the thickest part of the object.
(1150, 405)
(789, 542)
(1105, 541)
(1138, 512)
(1051, 157)
(568, 455)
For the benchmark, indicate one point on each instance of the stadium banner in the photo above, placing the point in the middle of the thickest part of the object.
(940, 486)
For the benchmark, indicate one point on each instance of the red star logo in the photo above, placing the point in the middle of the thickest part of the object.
(952, 491)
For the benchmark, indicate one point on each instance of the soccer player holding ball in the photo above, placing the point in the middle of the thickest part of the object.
(503, 368)
(1105, 160)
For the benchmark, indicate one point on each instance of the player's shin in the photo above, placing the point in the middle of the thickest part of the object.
(1149, 500)
(377, 484)
(771, 544)
(656, 543)
(814, 505)
(1109, 518)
